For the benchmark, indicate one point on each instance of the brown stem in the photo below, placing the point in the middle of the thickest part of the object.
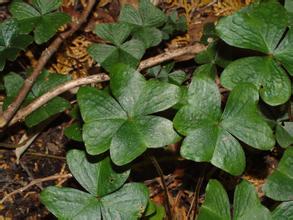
(45, 155)
(34, 182)
(45, 57)
(166, 193)
(22, 113)
(195, 199)
(170, 55)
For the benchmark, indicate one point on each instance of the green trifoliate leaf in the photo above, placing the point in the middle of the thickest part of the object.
(108, 56)
(289, 5)
(150, 209)
(216, 205)
(11, 41)
(243, 120)
(149, 36)
(128, 202)
(74, 132)
(45, 82)
(204, 103)
(22, 10)
(40, 17)
(257, 27)
(210, 136)
(107, 197)
(215, 145)
(144, 21)
(46, 6)
(211, 56)
(98, 176)
(136, 135)
(165, 74)
(284, 211)
(140, 97)
(48, 26)
(102, 115)
(12, 84)
(264, 72)
(47, 110)
(283, 52)
(116, 33)
(68, 203)
(279, 185)
(247, 205)
(284, 134)
(174, 24)
(151, 15)
(26, 15)
(125, 126)
(160, 213)
(177, 77)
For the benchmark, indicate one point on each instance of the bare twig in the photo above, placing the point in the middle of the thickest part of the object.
(22, 113)
(166, 193)
(195, 199)
(45, 57)
(34, 182)
(45, 155)
(170, 55)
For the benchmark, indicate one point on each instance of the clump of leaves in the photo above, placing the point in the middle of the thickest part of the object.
(107, 56)
(144, 22)
(45, 82)
(107, 196)
(260, 27)
(212, 57)
(74, 130)
(124, 123)
(11, 41)
(246, 204)
(175, 23)
(41, 16)
(165, 74)
(284, 134)
(210, 133)
(279, 185)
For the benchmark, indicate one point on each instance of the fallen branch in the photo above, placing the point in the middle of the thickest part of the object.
(37, 103)
(45, 57)
(34, 182)
(172, 54)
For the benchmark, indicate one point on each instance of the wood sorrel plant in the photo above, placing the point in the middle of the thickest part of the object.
(121, 122)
